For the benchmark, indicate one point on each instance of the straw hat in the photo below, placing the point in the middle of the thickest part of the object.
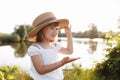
(43, 20)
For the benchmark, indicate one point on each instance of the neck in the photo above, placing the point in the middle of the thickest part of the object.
(45, 45)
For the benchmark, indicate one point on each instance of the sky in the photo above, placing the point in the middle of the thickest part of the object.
(103, 13)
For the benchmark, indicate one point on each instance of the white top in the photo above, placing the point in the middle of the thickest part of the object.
(49, 56)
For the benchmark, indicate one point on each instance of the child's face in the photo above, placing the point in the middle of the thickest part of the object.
(50, 31)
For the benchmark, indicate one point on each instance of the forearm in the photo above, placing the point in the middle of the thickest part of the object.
(69, 43)
(50, 67)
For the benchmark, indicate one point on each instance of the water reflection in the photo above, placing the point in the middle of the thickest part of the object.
(20, 48)
(88, 50)
(92, 46)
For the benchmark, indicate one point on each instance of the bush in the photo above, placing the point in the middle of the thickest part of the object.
(13, 73)
(76, 73)
(109, 69)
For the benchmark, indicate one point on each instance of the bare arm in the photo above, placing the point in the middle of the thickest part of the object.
(69, 48)
(42, 69)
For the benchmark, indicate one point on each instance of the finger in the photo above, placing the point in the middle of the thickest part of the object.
(73, 59)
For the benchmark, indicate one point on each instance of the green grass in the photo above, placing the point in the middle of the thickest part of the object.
(16, 73)
(78, 73)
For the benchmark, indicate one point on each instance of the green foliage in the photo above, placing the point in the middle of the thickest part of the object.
(21, 31)
(76, 73)
(19, 34)
(13, 73)
(109, 69)
(28, 29)
(15, 37)
(9, 38)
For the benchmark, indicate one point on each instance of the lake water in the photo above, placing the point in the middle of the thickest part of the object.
(89, 51)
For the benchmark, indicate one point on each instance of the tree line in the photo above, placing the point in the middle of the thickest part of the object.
(21, 31)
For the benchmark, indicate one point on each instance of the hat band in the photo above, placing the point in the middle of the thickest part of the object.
(47, 20)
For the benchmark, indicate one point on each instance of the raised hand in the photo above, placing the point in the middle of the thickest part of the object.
(68, 30)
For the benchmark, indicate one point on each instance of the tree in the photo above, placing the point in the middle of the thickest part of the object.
(92, 31)
(21, 31)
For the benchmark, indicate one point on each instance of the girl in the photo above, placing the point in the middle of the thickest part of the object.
(44, 52)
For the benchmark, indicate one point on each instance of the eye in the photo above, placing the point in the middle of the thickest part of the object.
(51, 27)
(57, 28)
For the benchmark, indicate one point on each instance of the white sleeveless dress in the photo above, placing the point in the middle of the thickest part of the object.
(49, 56)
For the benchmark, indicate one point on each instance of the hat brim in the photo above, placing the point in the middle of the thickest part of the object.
(62, 24)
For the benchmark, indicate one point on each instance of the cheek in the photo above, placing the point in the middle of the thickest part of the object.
(46, 31)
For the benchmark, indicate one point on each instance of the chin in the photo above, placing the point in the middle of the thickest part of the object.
(51, 40)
